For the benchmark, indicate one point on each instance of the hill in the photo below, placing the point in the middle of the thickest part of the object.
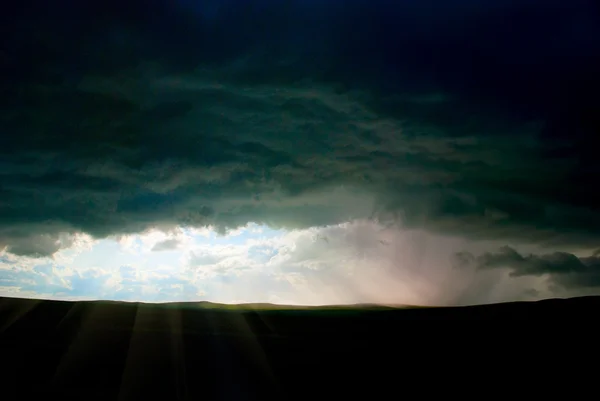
(114, 350)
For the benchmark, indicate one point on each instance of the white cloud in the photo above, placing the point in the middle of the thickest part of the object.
(355, 262)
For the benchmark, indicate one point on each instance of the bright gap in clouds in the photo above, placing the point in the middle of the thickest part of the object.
(354, 262)
(343, 263)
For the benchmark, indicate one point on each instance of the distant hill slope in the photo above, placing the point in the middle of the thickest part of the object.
(508, 308)
(100, 350)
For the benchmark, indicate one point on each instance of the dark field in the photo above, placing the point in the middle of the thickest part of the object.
(111, 350)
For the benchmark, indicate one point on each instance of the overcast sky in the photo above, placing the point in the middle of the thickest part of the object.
(313, 152)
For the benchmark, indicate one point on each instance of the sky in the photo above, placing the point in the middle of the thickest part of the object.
(301, 152)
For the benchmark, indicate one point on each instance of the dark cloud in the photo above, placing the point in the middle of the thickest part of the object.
(36, 245)
(166, 245)
(121, 116)
(564, 269)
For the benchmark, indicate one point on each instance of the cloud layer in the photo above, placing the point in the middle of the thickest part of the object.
(431, 115)
(563, 269)
(354, 262)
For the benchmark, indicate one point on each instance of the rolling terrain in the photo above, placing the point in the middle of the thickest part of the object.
(114, 350)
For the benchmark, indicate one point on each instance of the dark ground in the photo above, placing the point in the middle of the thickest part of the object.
(110, 350)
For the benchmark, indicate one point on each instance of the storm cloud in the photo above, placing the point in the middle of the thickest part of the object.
(468, 118)
(563, 269)
(166, 245)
